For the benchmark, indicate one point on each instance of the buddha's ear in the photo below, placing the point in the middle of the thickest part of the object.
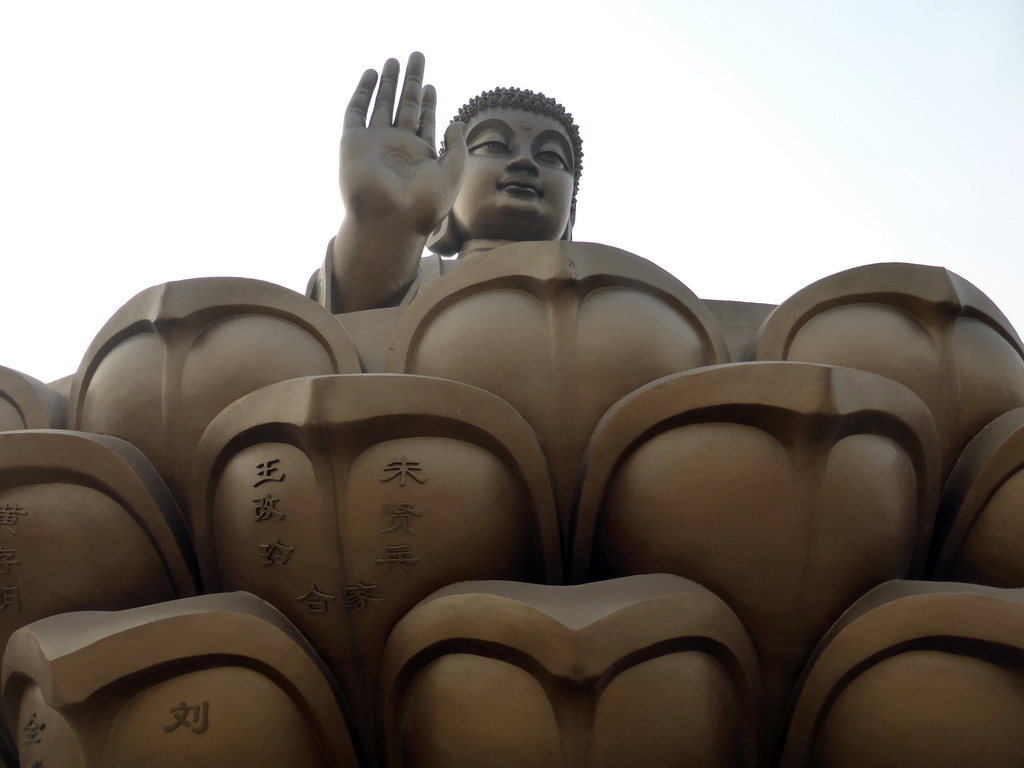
(567, 235)
(445, 240)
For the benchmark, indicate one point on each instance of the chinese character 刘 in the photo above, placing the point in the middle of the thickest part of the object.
(181, 713)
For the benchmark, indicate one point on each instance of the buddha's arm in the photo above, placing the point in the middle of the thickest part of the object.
(394, 186)
(372, 264)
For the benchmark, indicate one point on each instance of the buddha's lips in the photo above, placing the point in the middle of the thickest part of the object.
(521, 186)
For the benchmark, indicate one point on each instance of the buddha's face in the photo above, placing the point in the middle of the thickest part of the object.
(519, 177)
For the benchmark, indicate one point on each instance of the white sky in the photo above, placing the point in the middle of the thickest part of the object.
(748, 147)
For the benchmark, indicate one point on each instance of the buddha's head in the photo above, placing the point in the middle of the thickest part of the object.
(522, 174)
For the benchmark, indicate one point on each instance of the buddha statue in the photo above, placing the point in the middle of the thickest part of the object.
(551, 508)
(508, 171)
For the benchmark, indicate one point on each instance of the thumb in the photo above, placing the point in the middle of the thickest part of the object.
(455, 153)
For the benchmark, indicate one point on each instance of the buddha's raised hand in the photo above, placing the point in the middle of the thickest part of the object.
(390, 173)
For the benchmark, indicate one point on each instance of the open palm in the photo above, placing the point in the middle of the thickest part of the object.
(390, 171)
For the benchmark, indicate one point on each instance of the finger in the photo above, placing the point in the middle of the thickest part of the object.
(455, 153)
(428, 111)
(359, 104)
(408, 116)
(385, 104)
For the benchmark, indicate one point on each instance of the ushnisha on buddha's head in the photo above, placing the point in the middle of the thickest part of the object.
(522, 171)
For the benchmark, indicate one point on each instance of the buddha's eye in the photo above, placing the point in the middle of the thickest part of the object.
(554, 158)
(490, 147)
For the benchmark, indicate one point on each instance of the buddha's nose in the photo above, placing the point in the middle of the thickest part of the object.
(523, 162)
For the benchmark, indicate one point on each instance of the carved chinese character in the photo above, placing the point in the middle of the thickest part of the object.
(266, 508)
(9, 514)
(397, 554)
(315, 600)
(268, 472)
(359, 595)
(403, 469)
(9, 597)
(400, 516)
(181, 713)
(275, 554)
(32, 729)
(7, 560)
